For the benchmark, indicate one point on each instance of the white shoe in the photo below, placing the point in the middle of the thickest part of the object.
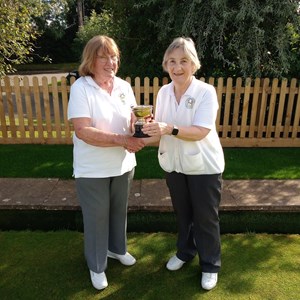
(174, 263)
(99, 280)
(209, 280)
(126, 259)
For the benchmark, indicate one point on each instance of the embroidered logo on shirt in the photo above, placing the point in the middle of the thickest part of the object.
(189, 103)
(122, 97)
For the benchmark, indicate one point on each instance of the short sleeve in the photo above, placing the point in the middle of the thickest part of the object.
(78, 106)
(206, 113)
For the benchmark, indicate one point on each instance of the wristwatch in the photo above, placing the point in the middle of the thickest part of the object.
(175, 130)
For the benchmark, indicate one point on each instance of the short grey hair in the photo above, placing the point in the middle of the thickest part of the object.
(188, 47)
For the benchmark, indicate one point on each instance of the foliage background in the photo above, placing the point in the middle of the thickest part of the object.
(17, 32)
(244, 38)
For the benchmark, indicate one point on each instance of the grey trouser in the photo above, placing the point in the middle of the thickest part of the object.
(196, 200)
(104, 204)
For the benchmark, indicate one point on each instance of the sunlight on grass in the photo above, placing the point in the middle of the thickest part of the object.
(48, 165)
(51, 265)
(31, 128)
(288, 172)
(267, 163)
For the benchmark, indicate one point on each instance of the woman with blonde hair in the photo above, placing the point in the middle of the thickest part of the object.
(100, 109)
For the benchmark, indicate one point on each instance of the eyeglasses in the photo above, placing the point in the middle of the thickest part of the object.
(105, 59)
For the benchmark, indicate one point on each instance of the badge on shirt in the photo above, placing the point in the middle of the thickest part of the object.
(122, 98)
(189, 103)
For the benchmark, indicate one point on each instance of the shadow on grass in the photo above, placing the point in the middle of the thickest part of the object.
(230, 221)
(51, 266)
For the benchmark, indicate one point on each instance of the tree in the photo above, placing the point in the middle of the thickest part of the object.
(140, 47)
(17, 32)
(80, 13)
(102, 23)
(58, 26)
(248, 37)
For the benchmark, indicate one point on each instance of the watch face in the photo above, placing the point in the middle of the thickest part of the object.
(175, 131)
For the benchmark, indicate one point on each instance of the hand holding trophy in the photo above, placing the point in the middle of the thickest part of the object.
(142, 112)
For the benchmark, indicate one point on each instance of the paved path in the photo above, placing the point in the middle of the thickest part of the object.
(150, 195)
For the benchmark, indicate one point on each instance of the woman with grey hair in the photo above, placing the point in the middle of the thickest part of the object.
(104, 160)
(191, 155)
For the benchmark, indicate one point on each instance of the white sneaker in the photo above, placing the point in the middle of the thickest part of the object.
(126, 259)
(99, 280)
(174, 263)
(209, 280)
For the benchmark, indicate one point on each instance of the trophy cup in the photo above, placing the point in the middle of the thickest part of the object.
(141, 112)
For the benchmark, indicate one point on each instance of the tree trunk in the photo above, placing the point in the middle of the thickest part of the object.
(80, 12)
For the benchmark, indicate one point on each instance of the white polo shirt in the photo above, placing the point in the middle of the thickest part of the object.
(198, 106)
(111, 113)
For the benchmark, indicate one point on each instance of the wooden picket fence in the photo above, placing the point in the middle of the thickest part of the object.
(253, 112)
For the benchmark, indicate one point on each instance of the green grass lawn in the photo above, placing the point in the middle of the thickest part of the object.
(46, 161)
(50, 265)
(39, 265)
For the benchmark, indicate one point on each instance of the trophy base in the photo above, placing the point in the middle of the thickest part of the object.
(138, 132)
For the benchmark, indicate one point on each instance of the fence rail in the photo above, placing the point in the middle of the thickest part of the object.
(253, 112)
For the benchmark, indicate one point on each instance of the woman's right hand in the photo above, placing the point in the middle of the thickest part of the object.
(133, 144)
